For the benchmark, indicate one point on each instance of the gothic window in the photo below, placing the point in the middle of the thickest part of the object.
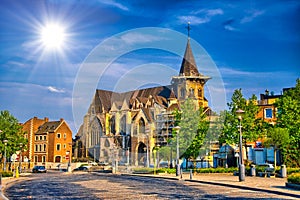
(182, 92)
(123, 124)
(113, 125)
(199, 93)
(192, 92)
(141, 126)
(106, 144)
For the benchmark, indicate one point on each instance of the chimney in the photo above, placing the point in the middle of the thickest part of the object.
(46, 119)
(61, 119)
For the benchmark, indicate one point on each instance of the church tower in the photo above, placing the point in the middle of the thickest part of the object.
(190, 83)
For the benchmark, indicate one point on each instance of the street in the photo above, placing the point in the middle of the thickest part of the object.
(83, 185)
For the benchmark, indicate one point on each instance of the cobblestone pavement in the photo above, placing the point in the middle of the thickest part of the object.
(109, 186)
(277, 185)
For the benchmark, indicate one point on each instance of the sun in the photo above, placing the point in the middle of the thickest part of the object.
(53, 36)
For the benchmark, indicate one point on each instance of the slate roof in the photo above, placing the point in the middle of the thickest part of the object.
(188, 65)
(104, 99)
(48, 127)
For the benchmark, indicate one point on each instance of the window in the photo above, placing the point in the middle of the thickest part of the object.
(41, 137)
(141, 126)
(65, 135)
(40, 147)
(65, 146)
(36, 148)
(44, 159)
(45, 137)
(58, 135)
(35, 159)
(58, 147)
(36, 138)
(268, 113)
(45, 146)
(182, 92)
(199, 93)
(192, 92)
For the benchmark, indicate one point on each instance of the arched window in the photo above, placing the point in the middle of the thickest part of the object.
(182, 92)
(192, 92)
(141, 126)
(123, 124)
(113, 125)
(199, 93)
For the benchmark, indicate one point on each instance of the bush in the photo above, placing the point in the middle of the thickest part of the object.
(294, 178)
(7, 174)
(293, 170)
(216, 170)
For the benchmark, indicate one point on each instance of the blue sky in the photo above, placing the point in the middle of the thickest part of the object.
(254, 45)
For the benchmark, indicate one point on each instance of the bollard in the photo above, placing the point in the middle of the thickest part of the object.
(17, 172)
(180, 173)
(191, 174)
(177, 169)
(252, 170)
(283, 171)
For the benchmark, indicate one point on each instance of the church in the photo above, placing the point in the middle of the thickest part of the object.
(128, 127)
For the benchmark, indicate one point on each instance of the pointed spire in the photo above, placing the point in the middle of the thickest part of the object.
(188, 65)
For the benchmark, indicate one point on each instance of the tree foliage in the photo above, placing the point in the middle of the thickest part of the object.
(278, 138)
(193, 128)
(252, 127)
(11, 131)
(249, 122)
(288, 107)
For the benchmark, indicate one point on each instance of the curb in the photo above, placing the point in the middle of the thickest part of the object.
(220, 184)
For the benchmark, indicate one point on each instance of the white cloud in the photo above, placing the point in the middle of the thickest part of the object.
(114, 4)
(252, 16)
(55, 90)
(193, 19)
(135, 38)
(205, 16)
(230, 28)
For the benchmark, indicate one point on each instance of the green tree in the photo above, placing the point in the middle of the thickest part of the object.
(278, 138)
(11, 131)
(288, 116)
(193, 128)
(252, 126)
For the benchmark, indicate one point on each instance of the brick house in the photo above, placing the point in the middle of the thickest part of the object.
(48, 141)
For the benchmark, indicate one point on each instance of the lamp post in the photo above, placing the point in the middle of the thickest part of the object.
(177, 128)
(20, 158)
(5, 143)
(239, 113)
(69, 154)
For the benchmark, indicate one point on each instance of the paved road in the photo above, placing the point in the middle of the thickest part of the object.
(83, 185)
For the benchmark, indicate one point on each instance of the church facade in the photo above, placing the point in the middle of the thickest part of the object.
(128, 127)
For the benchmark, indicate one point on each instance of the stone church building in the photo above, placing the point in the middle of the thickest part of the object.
(127, 127)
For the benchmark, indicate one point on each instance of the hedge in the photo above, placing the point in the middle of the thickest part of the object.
(7, 174)
(294, 178)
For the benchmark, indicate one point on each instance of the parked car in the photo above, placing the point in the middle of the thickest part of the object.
(164, 164)
(267, 167)
(82, 168)
(39, 169)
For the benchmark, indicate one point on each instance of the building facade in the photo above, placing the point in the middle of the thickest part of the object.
(129, 126)
(48, 141)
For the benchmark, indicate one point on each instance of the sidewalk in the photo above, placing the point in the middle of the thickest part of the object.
(260, 184)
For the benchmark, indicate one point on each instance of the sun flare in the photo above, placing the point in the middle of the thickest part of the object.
(53, 36)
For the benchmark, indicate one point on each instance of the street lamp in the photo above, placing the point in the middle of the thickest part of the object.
(239, 113)
(177, 128)
(5, 143)
(69, 154)
(20, 158)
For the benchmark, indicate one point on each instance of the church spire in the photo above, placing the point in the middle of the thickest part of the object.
(188, 65)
